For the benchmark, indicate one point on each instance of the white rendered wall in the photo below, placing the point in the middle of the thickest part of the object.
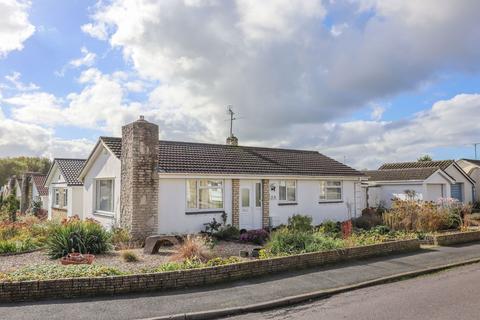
(105, 165)
(308, 192)
(172, 208)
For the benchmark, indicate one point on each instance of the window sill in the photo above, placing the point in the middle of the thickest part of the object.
(287, 203)
(104, 214)
(205, 212)
(333, 201)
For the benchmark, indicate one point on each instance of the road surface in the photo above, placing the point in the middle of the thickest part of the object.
(453, 294)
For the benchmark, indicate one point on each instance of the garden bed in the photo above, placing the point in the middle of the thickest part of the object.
(110, 285)
(113, 259)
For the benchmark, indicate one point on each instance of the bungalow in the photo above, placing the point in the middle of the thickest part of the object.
(39, 191)
(65, 191)
(422, 180)
(166, 187)
(472, 168)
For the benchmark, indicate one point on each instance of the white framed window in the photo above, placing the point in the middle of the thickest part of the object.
(65, 198)
(287, 191)
(104, 195)
(331, 190)
(56, 197)
(203, 194)
(258, 194)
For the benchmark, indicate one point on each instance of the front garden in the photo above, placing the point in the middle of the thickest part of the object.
(220, 244)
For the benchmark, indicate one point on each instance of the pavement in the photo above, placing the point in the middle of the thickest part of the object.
(446, 295)
(240, 293)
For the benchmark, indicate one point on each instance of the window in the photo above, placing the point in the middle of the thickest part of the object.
(287, 190)
(330, 190)
(65, 197)
(245, 198)
(258, 194)
(104, 195)
(56, 197)
(204, 194)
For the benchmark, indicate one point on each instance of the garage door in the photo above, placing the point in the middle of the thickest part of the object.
(457, 191)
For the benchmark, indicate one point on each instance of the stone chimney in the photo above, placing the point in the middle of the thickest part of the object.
(232, 140)
(139, 179)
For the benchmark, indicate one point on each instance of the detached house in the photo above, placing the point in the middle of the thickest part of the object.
(472, 168)
(165, 187)
(64, 189)
(422, 180)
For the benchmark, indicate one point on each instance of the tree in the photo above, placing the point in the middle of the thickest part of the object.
(11, 205)
(17, 166)
(425, 157)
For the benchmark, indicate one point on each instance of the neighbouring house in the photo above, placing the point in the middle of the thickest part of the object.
(151, 186)
(472, 168)
(28, 188)
(65, 190)
(421, 180)
(39, 191)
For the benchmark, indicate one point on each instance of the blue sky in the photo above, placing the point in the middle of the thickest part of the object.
(369, 81)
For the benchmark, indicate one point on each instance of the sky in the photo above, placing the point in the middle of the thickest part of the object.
(362, 81)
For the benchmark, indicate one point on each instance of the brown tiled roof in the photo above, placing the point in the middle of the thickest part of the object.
(39, 181)
(188, 157)
(443, 164)
(70, 169)
(400, 174)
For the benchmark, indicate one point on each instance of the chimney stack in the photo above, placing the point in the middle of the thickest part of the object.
(139, 179)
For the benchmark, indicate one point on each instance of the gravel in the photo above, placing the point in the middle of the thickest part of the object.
(113, 259)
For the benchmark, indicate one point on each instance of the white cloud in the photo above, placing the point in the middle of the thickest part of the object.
(37, 108)
(278, 63)
(366, 144)
(377, 112)
(87, 60)
(19, 138)
(97, 31)
(15, 27)
(14, 79)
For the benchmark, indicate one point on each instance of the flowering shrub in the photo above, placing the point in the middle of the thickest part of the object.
(21, 236)
(255, 236)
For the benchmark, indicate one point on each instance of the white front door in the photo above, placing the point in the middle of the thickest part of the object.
(250, 204)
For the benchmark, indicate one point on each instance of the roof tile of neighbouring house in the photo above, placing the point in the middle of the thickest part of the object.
(39, 181)
(476, 162)
(70, 169)
(400, 174)
(188, 157)
(443, 164)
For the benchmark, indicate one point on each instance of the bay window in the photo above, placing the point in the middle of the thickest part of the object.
(204, 194)
(287, 191)
(104, 195)
(330, 191)
(65, 198)
(56, 197)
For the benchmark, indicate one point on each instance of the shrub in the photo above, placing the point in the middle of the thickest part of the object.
(193, 248)
(285, 241)
(129, 256)
(300, 223)
(227, 232)
(74, 235)
(55, 271)
(330, 227)
(212, 226)
(254, 236)
(193, 264)
(121, 239)
(368, 220)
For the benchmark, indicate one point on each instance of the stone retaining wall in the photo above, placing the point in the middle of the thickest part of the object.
(456, 238)
(82, 287)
